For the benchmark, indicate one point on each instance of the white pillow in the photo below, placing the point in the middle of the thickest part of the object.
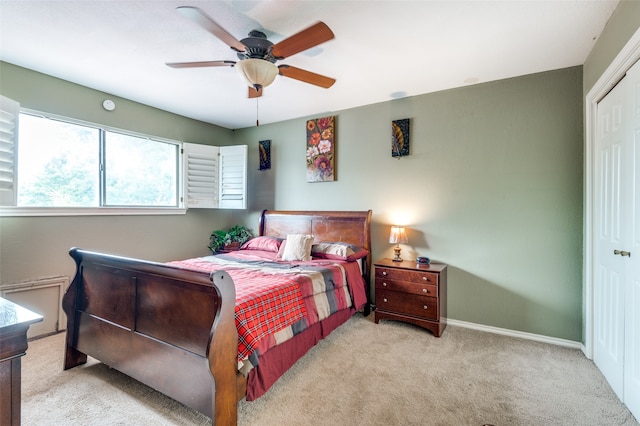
(297, 247)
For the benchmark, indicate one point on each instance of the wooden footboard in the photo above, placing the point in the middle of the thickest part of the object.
(172, 329)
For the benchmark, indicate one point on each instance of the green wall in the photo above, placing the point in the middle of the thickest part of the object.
(36, 247)
(492, 187)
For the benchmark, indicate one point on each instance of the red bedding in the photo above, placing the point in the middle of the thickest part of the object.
(276, 300)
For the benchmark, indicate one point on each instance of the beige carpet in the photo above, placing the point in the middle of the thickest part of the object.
(363, 374)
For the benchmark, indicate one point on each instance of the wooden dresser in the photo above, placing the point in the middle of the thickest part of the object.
(14, 323)
(411, 292)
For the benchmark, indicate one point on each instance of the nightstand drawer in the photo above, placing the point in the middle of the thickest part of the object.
(407, 275)
(407, 287)
(409, 304)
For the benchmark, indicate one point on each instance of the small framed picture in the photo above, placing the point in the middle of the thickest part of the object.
(400, 137)
(264, 148)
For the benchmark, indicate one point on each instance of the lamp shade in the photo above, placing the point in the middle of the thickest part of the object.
(257, 72)
(398, 235)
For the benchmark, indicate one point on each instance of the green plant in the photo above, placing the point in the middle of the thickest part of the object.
(236, 234)
(216, 240)
(239, 234)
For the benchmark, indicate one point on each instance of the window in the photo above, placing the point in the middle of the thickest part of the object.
(58, 164)
(65, 164)
(140, 172)
(54, 163)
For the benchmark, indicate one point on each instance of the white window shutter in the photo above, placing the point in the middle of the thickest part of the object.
(201, 176)
(9, 113)
(233, 177)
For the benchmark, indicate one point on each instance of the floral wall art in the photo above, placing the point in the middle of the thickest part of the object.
(321, 150)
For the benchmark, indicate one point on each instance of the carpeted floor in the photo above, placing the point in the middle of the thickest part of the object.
(363, 374)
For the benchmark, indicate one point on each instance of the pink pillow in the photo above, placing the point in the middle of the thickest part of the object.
(263, 243)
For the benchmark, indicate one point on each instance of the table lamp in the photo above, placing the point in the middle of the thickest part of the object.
(398, 236)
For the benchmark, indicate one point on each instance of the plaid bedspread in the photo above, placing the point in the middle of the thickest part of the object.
(276, 300)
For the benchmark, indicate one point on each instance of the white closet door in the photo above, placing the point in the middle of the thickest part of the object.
(632, 308)
(617, 246)
(610, 222)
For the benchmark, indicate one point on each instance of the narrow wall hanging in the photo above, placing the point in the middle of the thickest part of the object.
(321, 146)
(400, 137)
(264, 148)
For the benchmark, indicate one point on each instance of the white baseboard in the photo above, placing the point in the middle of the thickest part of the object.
(520, 334)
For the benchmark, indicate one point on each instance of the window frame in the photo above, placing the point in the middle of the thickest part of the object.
(102, 210)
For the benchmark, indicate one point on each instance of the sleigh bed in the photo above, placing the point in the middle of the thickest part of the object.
(197, 331)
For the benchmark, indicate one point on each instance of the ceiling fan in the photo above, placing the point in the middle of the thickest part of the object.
(257, 55)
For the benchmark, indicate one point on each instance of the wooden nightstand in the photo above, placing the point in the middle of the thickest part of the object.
(410, 292)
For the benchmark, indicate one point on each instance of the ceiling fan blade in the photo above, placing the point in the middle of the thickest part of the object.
(305, 39)
(201, 64)
(306, 76)
(201, 18)
(253, 93)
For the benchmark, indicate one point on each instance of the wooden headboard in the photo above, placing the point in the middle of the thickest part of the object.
(353, 227)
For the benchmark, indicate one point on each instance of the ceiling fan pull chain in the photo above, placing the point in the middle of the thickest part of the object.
(257, 122)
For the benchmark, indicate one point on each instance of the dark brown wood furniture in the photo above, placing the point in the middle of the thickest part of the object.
(411, 292)
(174, 329)
(14, 324)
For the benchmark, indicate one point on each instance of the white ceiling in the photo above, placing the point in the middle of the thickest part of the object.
(382, 49)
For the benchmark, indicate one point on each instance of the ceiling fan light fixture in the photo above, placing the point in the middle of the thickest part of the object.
(257, 72)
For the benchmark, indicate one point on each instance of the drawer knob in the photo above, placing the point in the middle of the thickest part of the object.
(425, 278)
(425, 307)
(425, 290)
(384, 284)
(384, 300)
(384, 272)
